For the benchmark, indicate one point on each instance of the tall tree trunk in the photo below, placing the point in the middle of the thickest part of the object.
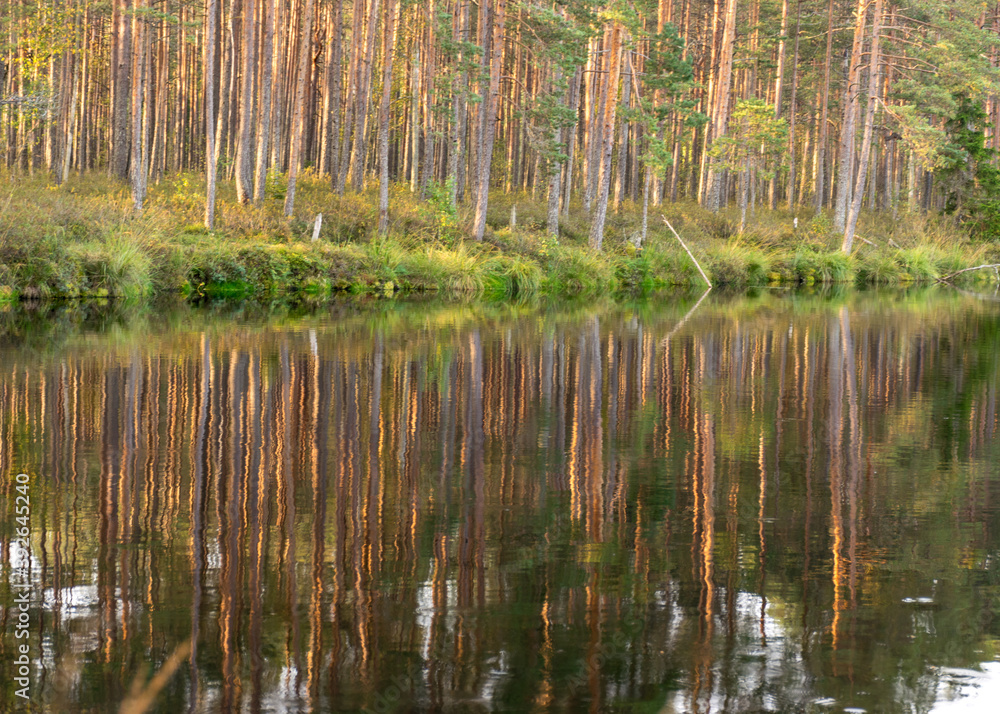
(414, 138)
(866, 141)
(845, 168)
(720, 103)
(609, 101)
(555, 174)
(778, 90)
(590, 124)
(555, 193)
(365, 68)
(138, 158)
(331, 97)
(226, 85)
(247, 101)
(489, 118)
(268, 60)
(792, 109)
(821, 161)
(623, 137)
(388, 52)
(298, 108)
(456, 155)
(574, 105)
(211, 20)
(709, 78)
(429, 70)
(121, 84)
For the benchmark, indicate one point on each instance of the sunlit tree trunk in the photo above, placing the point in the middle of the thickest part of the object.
(779, 85)
(211, 19)
(488, 116)
(298, 109)
(330, 155)
(139, 156)
(357, 25)
(792, 110)
(821, 155)
(121, 83)
(426, 93)
(720, 102)
(866, 141)
(388, 52)
(845, 163)
(574, 105)
(247, 105)
(365, 69)
(268, 60)
(609, 102)
(623, 134)
(456, 157)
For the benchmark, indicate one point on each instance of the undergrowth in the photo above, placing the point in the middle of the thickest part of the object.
(83, 239)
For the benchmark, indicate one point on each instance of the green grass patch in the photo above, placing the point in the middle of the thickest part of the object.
(83, 239)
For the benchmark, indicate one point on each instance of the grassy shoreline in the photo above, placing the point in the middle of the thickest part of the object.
(82, 240)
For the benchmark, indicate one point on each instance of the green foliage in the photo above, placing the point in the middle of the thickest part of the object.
(969, 172)
(924, 139)
(668, 79)
(442, 212)
(560, 40)
(755, 140)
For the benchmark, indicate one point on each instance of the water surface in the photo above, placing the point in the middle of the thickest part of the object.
(784, 502)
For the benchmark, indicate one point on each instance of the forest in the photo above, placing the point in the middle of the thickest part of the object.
(813, 106)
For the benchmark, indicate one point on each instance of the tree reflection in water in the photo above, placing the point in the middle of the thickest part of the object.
(771, 503)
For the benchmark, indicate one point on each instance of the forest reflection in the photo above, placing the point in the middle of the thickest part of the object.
(770, 504)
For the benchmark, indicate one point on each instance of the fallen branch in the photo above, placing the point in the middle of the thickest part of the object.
(946, 278)
(684, 319)
(690, 254)
(140, 699)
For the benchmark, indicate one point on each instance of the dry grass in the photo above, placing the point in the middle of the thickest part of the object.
(83, 239)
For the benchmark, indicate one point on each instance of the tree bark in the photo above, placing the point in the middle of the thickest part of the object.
(845, 168)
(298, 118)
(268, 59)
(137, 161)
(244, 146)
(456, 158)
(489, 119)
(414, 138)
(720, 103)
(365, 69)
(623, 138)
(792, 109)
(121, 88)
(574, 104)
(388, 52)
(866, 142)
(211, 19)
(609, 100)
(821, 162)
(778, 90)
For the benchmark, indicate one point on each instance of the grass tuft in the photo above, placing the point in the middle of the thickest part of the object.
(83, 239)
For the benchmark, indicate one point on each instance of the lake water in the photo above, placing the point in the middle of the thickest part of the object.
(785, 502)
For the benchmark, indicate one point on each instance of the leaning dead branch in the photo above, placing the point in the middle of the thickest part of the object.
(946, 278)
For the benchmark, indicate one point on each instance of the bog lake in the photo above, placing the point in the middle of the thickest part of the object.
(787, 501)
